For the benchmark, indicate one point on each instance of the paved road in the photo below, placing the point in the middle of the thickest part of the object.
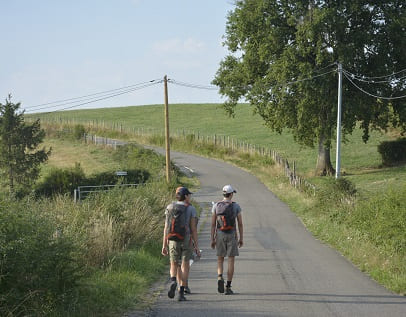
(282, 269)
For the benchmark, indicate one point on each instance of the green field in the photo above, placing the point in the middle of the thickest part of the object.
(359, 161)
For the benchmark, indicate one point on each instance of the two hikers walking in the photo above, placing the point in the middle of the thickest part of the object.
(180, 238)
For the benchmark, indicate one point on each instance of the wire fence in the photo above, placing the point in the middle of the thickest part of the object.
(82, 191)
(227, 142)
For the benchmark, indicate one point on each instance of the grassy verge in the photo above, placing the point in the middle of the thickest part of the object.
(95, 258)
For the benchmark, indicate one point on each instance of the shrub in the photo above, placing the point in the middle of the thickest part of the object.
(383, 219)
(393, 152)
(79, 131)
(37, 265)
(110, 178)
(335, 198)
(61, 181)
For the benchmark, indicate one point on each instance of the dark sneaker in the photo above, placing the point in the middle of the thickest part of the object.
(220, 286)
(187, 290)
(228, 291)
(172, 289)
(181, 297)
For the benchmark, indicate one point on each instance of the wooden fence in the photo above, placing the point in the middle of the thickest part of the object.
(289, 168)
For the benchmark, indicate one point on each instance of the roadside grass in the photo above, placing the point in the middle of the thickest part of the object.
(100, 256)
(122, 284)
(91, 158)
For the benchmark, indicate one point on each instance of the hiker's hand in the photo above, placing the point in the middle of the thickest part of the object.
(240, 243)
(164, 251)
(213, 243)
(198, 252)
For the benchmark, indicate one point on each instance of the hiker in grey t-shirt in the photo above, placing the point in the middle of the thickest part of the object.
(226, 217)
(180, 236)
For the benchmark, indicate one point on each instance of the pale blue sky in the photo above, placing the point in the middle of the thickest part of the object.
(60, 49)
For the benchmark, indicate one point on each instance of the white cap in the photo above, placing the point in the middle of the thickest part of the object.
(227, 189)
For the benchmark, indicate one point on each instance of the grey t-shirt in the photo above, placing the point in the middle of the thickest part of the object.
(190, 213)
(236, 210)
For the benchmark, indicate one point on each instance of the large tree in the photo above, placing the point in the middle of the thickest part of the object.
(283, 57)
(19, 157)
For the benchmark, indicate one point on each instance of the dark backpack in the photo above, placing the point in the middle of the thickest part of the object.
(177, 222)
(225, 216)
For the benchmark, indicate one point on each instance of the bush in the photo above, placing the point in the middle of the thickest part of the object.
(37, 265)
(335, 198)
(393, 152)
(61, 181)
(110, 178)
(336, 191)
(79, 132)
(383, 219)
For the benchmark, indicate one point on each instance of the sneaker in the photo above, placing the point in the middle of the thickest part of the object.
(228, 291)
(187, 290)
(172, 289)
(181, 297)
(220, 286)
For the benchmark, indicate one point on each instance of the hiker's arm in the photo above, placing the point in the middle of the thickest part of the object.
(213, 230)
(193, 229)
(240, 230)
(165, 241)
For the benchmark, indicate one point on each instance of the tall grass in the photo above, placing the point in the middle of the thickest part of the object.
(95, 258)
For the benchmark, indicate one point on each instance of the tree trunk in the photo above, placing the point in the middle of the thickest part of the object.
(324, 166)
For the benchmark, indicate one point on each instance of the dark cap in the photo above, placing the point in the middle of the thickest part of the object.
(183, 191)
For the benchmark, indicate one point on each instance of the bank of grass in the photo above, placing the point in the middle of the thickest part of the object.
(96, 258)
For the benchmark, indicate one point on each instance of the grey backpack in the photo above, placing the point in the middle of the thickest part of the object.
(177, 222)
(225, 216)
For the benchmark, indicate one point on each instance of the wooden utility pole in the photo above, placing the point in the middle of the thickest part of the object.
(167, 145)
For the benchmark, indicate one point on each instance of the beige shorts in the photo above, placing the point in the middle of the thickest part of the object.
(226, 244)
(180, 250)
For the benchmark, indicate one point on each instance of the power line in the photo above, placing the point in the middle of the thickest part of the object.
(106, 97)
(309, 78)
(85, 97)
(378, 77)
(189, 85)
(369, 94)
(373, 81)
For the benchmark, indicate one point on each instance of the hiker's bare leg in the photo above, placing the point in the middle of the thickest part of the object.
(220, 261)
(230, 270)
(178, 274)
(184, 273)
(174, 269)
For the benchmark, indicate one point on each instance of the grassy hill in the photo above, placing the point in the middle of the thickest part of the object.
(359, 161)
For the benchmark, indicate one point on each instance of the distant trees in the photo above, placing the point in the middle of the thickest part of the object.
(276, 46)
(19, 159)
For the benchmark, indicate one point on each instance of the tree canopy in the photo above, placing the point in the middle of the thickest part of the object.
(19, 157)
(283, 57)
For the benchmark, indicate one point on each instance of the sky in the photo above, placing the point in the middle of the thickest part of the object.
(54, 50)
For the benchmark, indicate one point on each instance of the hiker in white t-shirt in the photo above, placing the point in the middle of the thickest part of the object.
(226, 217)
